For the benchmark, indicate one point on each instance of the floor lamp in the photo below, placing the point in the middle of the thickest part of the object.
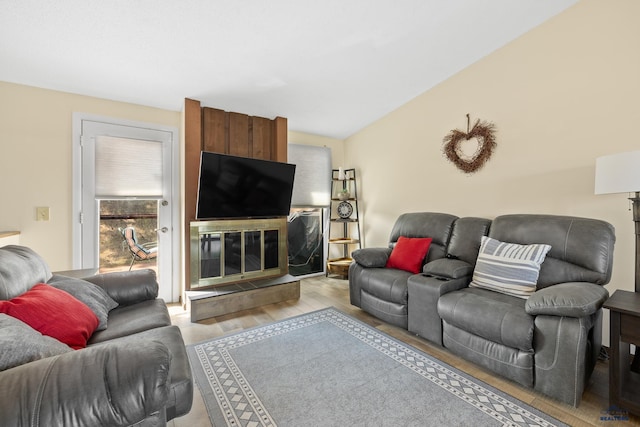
(620, 173)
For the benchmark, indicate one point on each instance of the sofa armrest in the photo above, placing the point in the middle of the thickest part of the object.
(113, 384)
(573, 299)
(448, 268)
(371, 257)
(128, 287)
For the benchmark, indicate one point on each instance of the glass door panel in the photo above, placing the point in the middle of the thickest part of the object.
(210, 255)
(232, 253)
(271, 243)
(114, 250)
(252, 251)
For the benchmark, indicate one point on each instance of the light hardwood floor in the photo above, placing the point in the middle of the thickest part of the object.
(320, 292)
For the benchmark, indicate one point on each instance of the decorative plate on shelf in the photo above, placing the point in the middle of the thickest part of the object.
(345, 210)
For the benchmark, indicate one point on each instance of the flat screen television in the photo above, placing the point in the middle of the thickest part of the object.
(241, 187)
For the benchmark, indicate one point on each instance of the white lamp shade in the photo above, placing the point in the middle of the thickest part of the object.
(618, 173)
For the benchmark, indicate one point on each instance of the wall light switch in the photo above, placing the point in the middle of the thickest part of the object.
(42, 213)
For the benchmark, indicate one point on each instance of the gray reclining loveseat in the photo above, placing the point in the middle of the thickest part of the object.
(548, 339)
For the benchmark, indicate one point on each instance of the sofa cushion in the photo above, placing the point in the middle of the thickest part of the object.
(513, 363)
(448, 268)
(567, 299)
(55, 313)
(119, 285)
(387, 284)
(387, 311)
(465, 238)
(131, 319)
(371, 257)
(435, 225)
(408, 254)
(90, 294)
(508, 268)
(21, 344)
(181, 385)
(491, 315)
(581, 248)
(20, 269)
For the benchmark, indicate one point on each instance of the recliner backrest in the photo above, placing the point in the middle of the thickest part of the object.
(465, 238)
(581, 248)
(20, 269)
(436, 225)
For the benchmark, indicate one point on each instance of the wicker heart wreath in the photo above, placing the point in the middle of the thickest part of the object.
(483, 132)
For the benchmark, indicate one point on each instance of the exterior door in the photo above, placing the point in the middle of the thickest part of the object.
(127, 164)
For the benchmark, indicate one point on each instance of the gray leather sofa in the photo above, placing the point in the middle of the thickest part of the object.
(549, 341)
(134, 371)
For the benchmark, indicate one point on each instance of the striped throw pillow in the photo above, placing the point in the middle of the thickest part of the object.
(508, 268)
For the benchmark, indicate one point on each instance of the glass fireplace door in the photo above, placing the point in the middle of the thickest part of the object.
(227, 251)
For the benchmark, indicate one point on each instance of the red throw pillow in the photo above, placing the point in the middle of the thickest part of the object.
(408, 253)
(55, 313)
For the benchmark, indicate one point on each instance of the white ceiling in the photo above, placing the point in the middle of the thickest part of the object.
(330, 66)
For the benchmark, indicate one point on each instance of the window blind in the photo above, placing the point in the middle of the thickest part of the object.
(127, 167)
(312, 183)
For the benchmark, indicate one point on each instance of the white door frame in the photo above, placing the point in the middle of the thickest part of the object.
(170, 293)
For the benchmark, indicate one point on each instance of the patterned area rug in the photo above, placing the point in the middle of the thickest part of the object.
(329, 369)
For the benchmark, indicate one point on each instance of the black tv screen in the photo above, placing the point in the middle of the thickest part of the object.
(240, 187)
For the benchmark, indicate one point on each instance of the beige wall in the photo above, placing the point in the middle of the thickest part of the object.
(35, 161)
(560, 96)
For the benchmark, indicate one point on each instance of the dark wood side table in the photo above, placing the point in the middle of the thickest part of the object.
(624, 385)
